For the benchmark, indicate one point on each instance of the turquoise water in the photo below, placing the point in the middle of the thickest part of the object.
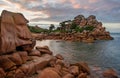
(105, 54)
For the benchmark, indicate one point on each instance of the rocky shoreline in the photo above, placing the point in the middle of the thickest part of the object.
(19, 58)
(79, 29)
(81, 37)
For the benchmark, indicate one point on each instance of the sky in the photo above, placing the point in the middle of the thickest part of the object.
(55, 11)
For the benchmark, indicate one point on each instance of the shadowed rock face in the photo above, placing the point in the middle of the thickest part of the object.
(13, 31)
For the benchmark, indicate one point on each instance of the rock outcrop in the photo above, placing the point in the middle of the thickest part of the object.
(80, 29)
(97, 33)
(13, 32)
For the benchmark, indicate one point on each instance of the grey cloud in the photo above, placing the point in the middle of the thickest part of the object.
(105, 10)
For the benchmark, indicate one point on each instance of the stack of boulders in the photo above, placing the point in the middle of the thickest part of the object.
(98, 33)
(18, 58)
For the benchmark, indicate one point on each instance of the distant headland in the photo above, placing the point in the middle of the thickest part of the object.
(79, 29)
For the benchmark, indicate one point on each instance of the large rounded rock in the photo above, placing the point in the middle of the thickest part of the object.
(34, 53)
(83, 67)
(48, 73)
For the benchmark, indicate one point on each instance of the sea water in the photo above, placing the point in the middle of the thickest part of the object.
(101, 53)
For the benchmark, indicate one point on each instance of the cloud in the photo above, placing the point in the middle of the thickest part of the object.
(92, 1)
(76, 6)
(59, 10)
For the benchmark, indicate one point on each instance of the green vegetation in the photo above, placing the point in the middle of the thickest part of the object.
(81, 29)
(90, 28)
(36, 29)
(78, 29)
(73, 26)
(51, 27)
(69, 26)
(65, 27)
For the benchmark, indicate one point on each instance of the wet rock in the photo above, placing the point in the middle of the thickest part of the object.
(110, 73)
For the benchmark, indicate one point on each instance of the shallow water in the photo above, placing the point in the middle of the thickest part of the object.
(104, 54)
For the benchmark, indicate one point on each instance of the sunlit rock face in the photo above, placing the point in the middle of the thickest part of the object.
(13, 32)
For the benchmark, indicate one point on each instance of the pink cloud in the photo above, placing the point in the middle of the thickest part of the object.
(92, 1)
(86, 7)
(76, 6)
(63, 1)
(73, 1)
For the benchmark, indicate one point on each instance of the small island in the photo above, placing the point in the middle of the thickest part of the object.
(79, 29)
(19, 58)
